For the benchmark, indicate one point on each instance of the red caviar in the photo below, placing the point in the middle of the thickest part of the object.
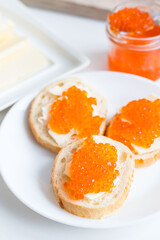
(137, 49)
(92, 170)
(138, 123)
(131, 20)
(155, 31)
(142, 63)
(74, 110)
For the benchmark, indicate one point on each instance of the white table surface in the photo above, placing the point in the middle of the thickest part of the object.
(19, 222)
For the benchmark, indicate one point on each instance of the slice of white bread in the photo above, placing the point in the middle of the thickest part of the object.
(39, 117)
(144, 156)
(97, 205)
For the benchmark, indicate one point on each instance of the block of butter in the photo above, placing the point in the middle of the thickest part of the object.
(19, 58)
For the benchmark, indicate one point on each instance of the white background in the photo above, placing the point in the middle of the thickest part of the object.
(16, 220)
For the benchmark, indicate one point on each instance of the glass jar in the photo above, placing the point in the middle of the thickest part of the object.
(136, 55)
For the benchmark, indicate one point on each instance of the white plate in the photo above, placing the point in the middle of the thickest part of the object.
(65, 59)
(26, 166)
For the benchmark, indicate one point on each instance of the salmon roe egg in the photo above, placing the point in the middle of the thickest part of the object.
(74, 110)
(92, 169)
(131, 20)
(137, 123)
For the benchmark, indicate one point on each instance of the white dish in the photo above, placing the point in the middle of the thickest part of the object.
(65, 59)
(26, 167)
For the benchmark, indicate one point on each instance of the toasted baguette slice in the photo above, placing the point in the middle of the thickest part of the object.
(97, 205)
(144, 157)
(38, 117)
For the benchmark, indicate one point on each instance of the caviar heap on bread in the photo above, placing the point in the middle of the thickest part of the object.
(66, 111)
(92, 177)
(137, 125)
(74, 110)
(134, 32)
(93, 169)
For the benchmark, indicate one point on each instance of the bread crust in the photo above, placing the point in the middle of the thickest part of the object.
(47, 142)
(43, 142)
(82, 211)
(141, 160)
(146, 162)
(93, 213)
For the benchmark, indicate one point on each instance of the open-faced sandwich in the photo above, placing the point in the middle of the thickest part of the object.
(92, 177)
(137, 125)
(66, 111)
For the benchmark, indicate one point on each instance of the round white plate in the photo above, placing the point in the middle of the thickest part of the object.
(26, 166)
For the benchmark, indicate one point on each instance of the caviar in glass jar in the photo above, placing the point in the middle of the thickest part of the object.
(134, 33)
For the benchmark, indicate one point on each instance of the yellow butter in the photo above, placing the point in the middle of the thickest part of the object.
(19, 58)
